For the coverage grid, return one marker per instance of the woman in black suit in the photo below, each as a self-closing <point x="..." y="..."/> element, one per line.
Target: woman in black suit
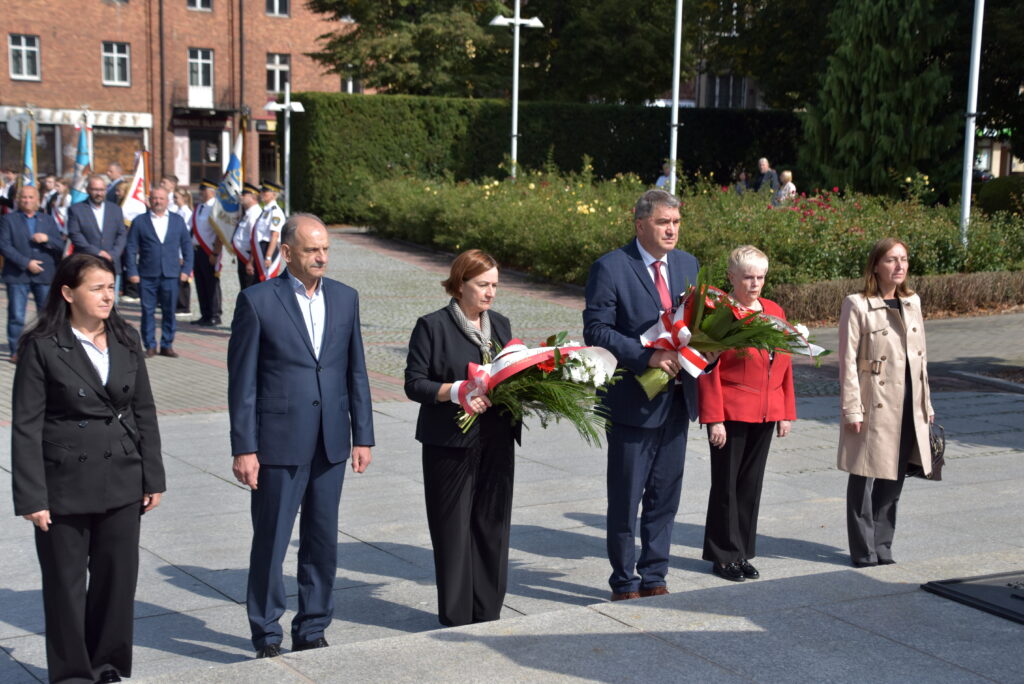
<point x="85" y="451"/>
<point x="467" y="477"/>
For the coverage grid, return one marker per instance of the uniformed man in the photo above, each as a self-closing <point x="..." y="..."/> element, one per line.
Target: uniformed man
<point x="241" y="240"/>
<point x="267" y="231"/>
<point x="206" y="244"/>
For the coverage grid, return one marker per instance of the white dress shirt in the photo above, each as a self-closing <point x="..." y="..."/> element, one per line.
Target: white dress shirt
<point x="313" y="311"/>
<point x="159" y="225"/>
<point x="100" y="357"/>
<point x="99" y="212"/>
<point x="649" y="259"/>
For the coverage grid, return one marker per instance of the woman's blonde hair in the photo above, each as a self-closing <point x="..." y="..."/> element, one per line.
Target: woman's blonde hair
<point x="881" y="248"/>
<point x="747" y="255"/>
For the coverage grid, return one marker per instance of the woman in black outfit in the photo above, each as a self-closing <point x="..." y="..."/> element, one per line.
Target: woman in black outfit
<point x="85" y="452"/>
<point x="467" y="477"/>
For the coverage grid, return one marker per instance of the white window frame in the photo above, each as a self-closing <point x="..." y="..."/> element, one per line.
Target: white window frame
<point x="198" y="57"/>
<point x="25" y="49"/>
<point x="274" y="8"/>
<point x="200" y="5"/>
<point x="111" y="49"/>
<point x="716" y="95"/>
<point x="278" y="68"/>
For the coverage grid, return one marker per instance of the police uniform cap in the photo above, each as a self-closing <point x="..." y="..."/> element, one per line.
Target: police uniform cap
<point x="250" y="188"/>
<point x="269" y="186"/>
<point x="207" y="183"/>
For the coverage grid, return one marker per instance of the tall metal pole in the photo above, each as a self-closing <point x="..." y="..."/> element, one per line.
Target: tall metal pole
<point x="674" y="133"/>
<point x="287" y="146"/>
<point x="972" y="115"/>
<point x="515" y="88"/>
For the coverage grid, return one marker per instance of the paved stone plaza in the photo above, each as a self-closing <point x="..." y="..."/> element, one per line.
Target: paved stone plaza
<point x="811" y="617"/>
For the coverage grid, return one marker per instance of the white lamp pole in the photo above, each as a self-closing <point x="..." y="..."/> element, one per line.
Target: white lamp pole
<point x="287" y="107"/>
<point x="972" y="115"/>
<point x="674" y="133"/>
<point x="515" y="22"/>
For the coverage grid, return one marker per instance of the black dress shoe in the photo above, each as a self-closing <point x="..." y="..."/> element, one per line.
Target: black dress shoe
<point x="748" y="570"/>
<point x="319" y="642"/>
<point x="886" y="561"/>
<point x="108" y="676"/>
<point x="728" y="571"/>
<point x="204" y="322"/>
<point x="215" y="320"/>
<point x="864" y="564"/>
<point x="269" y="651"/>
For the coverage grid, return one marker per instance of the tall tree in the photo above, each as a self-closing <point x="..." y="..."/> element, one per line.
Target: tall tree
<point x="884" y="107"/>
<point x="588" y="50"/>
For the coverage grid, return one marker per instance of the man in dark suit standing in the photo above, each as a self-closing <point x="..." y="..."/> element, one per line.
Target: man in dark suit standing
<point x="157" y="241"/>
<point x="31" y="244"/>
<point x="300" y="402"/>
<point x="97" y="226"/>
<point x="626" y="291"/>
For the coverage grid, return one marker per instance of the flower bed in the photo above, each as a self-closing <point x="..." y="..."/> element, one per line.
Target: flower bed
<point x="555" y="226"/>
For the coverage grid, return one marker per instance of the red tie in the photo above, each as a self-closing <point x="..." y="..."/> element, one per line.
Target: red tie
<point x="661" y="287"/>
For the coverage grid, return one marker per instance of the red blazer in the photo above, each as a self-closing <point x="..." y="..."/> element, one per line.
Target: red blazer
<point x="749" y="389"/>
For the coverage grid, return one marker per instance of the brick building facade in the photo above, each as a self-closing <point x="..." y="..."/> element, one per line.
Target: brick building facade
<point x="170" y="76"/>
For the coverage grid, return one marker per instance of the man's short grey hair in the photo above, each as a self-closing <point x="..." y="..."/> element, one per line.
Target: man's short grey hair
<point x="652" y="198"/>
<point x="292" y="224"/>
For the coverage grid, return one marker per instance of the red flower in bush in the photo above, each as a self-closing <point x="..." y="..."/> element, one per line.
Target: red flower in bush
<point x="835" y="188"/>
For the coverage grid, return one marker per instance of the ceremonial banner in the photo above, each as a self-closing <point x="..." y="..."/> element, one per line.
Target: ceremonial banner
<point x="82" y="167"/>
<point x="227" y="205"/>
<point x="136" y="200"/>
<point x="28" y="152"/>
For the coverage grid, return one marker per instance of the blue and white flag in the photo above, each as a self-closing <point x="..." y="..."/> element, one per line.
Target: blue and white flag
<point x="82" y="164"/>
<point x="28" y="143"/>
<point x="226" y="208"/>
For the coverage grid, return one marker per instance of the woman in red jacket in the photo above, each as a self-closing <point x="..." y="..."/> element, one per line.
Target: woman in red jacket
<point x="743" y="400"/>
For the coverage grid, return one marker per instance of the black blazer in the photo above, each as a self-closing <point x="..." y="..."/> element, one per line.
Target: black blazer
<point x="18" y="249"/>
<point x="88" y="237"/>
<point x="69" y="452"/>
<point x="438" y="353"/>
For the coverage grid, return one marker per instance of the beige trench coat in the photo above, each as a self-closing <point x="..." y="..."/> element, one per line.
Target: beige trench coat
<point x="875" y="344"/>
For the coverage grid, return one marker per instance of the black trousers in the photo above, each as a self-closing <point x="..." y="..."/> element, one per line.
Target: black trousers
<point x="244" y="279"/>
<point x="207" y="286"/>
<point x="871" y="503"/>
<point x="90" y="566"/>
<point x="737" y="472"/>
<point x="469" y="512"/>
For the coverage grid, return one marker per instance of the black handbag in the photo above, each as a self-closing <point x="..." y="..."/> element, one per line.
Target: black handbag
<point x="937" y="446"/>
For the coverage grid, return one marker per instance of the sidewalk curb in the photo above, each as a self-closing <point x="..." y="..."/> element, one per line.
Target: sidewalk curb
<point x="1005" y="385"/>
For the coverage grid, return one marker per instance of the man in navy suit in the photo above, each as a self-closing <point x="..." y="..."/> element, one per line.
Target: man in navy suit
<point x="31" y="243"/>
<point x="157" y="241"/>
<point x="97" y="226"/>
<point x="300" y="403"/>
<point x="626" y="291"/>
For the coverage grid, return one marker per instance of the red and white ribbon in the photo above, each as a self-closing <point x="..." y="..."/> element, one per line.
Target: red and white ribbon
<point x="670" y="332"/>
<point x="515" y="358"/>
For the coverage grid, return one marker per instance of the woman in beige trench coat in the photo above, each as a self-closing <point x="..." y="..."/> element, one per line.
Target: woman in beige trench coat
<point x="886" y="405"/>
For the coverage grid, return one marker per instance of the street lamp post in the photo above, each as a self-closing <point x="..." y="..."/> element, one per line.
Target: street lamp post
<point x="972" y="115"/>
<point x="515" y="22"/>
<point x="287" y="107"/>
<point x="674" y="131"/>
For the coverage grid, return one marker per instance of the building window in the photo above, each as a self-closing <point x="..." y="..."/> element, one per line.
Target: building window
<point x="277" y="8"/>
<point x="200" y="67"/>
<point x="24" y="56"/>
<point x="117" y="70"/>
<point x="203" y="5"/>
<point x="278" y="71"/>
<point x="730" y="91"/>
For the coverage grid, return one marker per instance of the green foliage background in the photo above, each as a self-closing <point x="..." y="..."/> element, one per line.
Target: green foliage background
<point x="556" y="225"/>
<point x="343" y="145"/>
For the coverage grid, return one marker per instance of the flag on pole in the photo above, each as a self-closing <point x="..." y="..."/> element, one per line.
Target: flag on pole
<point x="28" y="148"/>
<point x="135" y="201"/>
<point x="227" y="204"/>
<point x="82" y="167"/>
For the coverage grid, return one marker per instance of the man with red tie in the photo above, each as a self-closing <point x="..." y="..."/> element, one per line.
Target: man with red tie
<point x="626" y="292"/>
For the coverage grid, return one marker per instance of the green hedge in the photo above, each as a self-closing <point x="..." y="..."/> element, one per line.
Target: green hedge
<point x="1002" y="194"/>
<point x="555" y="226"/>
<point x="343" y="144"/>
